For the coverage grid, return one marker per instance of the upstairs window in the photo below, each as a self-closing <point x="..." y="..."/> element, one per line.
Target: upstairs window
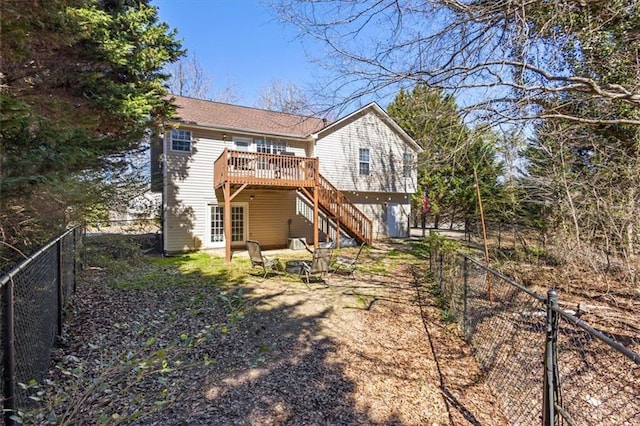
<point x="407" y="160"/>
<point x="181" y="140"/>
<point x="270" y="147"/>
<point x="364" y="161"/>
<point x="242" y="144"/>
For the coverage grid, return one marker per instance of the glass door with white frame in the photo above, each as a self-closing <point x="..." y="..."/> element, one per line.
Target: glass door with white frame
<point x="238" y="224"/>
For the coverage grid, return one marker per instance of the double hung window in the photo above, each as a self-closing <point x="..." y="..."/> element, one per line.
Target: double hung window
<point x="181" y="140"/>
<point x="270" y="147"/>
<point x="407" y="160"/>
<point x="364" y="157"/>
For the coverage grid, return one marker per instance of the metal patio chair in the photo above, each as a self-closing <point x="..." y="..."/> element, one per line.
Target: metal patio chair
<point x="319" y="264"/>
<point x="258" y="259"/>
<point x="346" y="263"/>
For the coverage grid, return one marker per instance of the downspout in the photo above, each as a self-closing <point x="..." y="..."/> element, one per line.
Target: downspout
<point x="314" y="140"/>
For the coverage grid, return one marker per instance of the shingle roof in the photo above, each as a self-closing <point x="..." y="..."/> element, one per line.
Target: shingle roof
<point x="232" y="117"/>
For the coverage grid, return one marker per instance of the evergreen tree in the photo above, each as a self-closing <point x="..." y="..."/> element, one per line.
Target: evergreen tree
<point x="451" y="152"/>
<point x="82" y="85"/>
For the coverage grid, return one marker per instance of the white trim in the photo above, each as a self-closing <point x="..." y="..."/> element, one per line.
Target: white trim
<point x="208" y="242"/>
<point x="245" y="225"/>
<point x="368" y="162"/>
<point x="243" y="139"/>
<point x="239" y="130"/>
<point x="245" y="222"/>
<point x="180" y="140"/>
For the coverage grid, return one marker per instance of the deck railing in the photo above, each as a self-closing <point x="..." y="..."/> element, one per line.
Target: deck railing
<point x="281" y="170"/>
<point x="239" y="167"/>
<point x="350" y="217"/>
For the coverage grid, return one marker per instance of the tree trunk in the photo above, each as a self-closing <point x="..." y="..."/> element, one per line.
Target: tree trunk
<point x="631" y="222"/>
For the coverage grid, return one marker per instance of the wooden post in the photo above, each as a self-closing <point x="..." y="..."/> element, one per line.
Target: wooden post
<point x="227" y="221"/>
<point x="484" y="234"/>
<point x="316" y="236"/>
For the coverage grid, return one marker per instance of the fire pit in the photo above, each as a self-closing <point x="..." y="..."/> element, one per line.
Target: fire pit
<point x="294" y="267"/>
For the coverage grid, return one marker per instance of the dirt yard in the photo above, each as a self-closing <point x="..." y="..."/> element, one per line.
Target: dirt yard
<point x="224" y="347"/>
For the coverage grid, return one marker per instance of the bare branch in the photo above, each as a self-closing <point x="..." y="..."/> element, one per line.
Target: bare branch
<point x="377" y="47"/>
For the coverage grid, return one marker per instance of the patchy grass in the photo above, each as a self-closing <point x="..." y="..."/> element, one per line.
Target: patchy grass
<point x="191" y="270"/>
<point x="193" y="340"/>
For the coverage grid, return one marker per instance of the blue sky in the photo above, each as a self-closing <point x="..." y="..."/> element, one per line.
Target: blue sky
<point x="239" y="43"/>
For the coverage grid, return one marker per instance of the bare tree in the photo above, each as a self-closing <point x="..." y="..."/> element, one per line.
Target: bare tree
<point x="229" y="94"/>
<point x="189" y="78"/>
<point x="284" y="97"/>
<point x="568" y="70"/>
<point x="508" y="58"/>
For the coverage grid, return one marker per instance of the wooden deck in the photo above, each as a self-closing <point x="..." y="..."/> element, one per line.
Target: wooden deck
<point x="274" y="170"/>
<point x="240" y="169"/>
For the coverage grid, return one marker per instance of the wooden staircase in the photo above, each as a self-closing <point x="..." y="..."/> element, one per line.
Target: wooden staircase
<point x="343" y="212"/>
<point x="242" y="169"/>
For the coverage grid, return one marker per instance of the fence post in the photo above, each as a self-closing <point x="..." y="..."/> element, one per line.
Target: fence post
<point x="432" y="253"/>
<point x="59" y="247"/>
<point x="9" y="354"/>
<point x="549" y="417"/>
<point x="465" y="274"/>
<point x="74" y="253"/>
<point x="441" y="273"/>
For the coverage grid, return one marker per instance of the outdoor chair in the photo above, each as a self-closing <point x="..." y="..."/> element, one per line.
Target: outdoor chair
<point x="258" y="259"/>
<point x="347" y="264"/>
<point x="319" y="264"/>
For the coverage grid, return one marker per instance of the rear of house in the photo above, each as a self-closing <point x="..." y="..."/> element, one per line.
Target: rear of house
<point x="281" y="176"/>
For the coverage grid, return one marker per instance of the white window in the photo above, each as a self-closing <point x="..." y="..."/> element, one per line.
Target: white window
<point x="264" y="146"/>
<point x="364" y="161"/>
<point x="407" y="160"/>
<point x="181" y="140"/>
<point x="270" y="147"/>
<point x="242" y="144"/>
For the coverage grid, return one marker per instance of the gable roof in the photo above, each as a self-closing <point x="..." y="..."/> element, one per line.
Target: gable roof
<point x="229" y="117"/>
<point x="373" y="106"/>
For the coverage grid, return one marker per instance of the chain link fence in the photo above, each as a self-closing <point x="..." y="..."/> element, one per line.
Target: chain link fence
<point x="33" y="298"/>
<point x="544" y="363"/>
<point x="598" y="373"/>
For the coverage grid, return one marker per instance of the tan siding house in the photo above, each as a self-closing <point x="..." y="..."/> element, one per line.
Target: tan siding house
<point x="231" y="173"/>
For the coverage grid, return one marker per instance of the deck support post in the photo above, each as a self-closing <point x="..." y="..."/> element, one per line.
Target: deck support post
<point x="227" y="221"/>
<point x="337" y="244"/>
<point x="228" y="198"/>
<point x="316" y="237"/>
<point x="239" y="170"/>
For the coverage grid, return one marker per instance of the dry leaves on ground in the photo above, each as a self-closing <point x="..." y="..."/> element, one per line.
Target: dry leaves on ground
<point x="369" y="350"/>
